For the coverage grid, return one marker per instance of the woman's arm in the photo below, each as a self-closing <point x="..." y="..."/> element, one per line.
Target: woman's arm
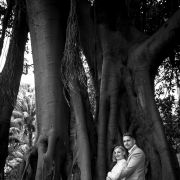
<point x="115" y="173"/>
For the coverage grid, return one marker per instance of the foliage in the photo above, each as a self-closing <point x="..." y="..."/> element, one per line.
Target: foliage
<point x="167" y="100"/>
<point x="22" y="130"/>
<point x="149" y="15"/>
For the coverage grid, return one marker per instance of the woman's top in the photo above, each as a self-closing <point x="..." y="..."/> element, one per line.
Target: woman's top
<point x="116" y="170"/>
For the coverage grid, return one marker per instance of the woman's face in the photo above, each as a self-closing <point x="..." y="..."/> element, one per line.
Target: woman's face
<point x="119" y="154"/>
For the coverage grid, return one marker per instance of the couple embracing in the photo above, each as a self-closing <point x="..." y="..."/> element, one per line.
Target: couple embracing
<point x="131" y="169"/>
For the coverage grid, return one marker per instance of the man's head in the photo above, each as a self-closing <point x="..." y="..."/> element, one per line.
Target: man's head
<point x="128" y="140"/>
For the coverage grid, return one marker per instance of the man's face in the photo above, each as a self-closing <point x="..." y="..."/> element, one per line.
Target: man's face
<point x="128" y="142"/>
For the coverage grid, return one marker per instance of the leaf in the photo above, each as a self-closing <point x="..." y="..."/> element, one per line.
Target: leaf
<point x="17" y="114"/>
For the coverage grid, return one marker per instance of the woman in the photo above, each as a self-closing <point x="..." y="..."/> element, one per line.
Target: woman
<point x="118" y="157"/>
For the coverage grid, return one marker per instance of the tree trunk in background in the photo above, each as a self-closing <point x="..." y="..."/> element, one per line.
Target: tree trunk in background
<point x="10" y="80"/>
<point x="124" y="59"/>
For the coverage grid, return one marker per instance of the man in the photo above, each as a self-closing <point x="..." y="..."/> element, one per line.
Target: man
<point x="135" y="169"/>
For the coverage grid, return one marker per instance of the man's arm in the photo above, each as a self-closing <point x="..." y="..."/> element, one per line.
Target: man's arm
<point x="132" y="165"/>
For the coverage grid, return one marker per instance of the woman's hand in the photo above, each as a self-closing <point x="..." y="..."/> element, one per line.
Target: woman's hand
<point x="108" y="178"/>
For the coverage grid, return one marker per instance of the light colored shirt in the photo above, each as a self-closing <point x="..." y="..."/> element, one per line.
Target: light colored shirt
<point x="130" y="151"/>
<point x="135" y="169"/>
<point x="116" y="170"/>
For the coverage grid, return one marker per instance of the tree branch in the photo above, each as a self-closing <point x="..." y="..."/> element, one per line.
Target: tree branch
<point x="160" y="44"/>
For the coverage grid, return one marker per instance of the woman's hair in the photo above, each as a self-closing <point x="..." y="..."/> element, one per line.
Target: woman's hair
<point x="117" y="147"/>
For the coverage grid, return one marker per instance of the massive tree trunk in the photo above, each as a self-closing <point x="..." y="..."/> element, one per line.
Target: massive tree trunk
<point x="10" y="79"/>
<point x="47" y="21"/>
<point x="124" y="61"/>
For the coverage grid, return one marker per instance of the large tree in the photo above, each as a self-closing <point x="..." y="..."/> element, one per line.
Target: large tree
<point x="74" y="142"/>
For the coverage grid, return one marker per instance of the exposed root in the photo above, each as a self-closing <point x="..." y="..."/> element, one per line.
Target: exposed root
<point x="30" y="166"/>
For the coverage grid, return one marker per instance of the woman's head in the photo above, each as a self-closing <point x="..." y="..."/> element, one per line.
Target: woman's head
<point x="119" y="152"/>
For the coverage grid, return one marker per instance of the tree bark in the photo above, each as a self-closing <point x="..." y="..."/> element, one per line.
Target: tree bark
<point x="83" y="144"/>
